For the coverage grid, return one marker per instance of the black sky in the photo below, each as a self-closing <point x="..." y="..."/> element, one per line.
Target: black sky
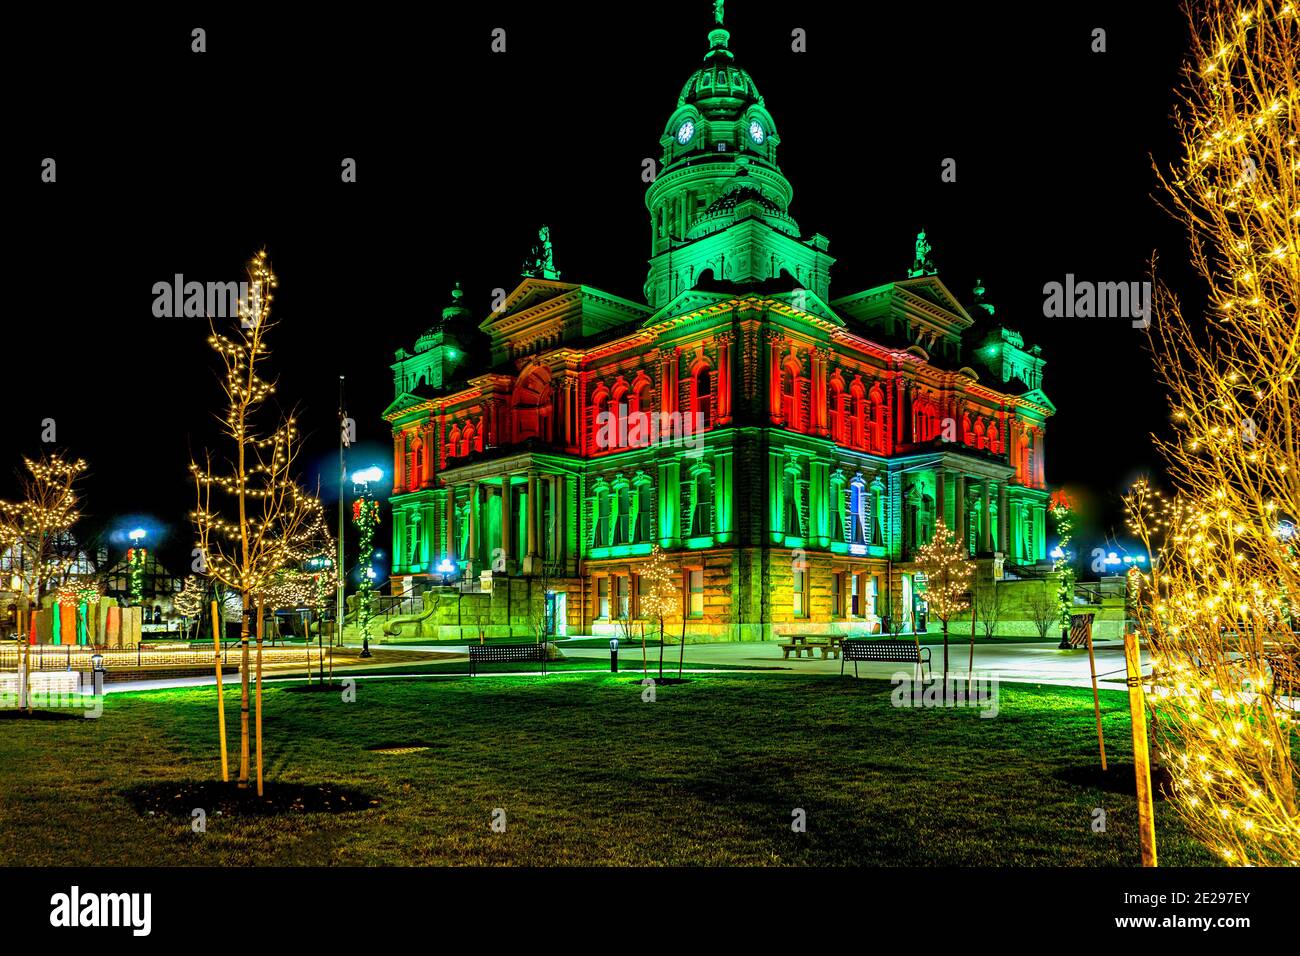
<point x="172" y="162"/>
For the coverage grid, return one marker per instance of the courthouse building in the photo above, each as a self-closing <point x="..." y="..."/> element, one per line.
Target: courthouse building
<point x="812" y="439"/>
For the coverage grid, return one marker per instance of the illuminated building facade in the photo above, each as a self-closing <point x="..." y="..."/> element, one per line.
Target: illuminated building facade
<point x="811" y="441"/>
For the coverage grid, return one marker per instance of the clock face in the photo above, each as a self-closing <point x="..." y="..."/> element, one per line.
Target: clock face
<point x="685" y="132"/>
<point x="756" y="132"/>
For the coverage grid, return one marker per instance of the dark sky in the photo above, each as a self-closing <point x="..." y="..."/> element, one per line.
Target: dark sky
<point x="172" y="162"/>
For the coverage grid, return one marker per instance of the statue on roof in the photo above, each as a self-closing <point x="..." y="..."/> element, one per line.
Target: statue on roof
<point x="541" y="259"/>
<point x="922" y="266"/>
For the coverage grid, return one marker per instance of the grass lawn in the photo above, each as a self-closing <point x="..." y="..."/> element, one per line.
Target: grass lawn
<point x="589" y="774"/>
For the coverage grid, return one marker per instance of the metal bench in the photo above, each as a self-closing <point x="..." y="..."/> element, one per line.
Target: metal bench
<point x="901" y="652"/>
<point x="499" y="653"/>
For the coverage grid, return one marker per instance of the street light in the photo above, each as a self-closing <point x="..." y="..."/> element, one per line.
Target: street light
<point x="613" y="655"/>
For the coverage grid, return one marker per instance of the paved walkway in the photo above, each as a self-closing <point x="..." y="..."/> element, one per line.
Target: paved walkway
<point x="1037" y="663"/>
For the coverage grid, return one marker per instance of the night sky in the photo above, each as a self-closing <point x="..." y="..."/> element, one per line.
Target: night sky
<point x="171" y="162"/>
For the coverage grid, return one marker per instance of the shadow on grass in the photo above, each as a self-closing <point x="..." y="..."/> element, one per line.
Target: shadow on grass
<point x="41" y="715"/>
<point x="1117" y="778"/>
<point x="180" y="798"/>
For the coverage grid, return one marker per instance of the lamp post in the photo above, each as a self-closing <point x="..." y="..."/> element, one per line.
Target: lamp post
<point x="366" y="517"/>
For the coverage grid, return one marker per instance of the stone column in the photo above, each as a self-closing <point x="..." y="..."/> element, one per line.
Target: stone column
<point x="399" y="461"/>
<point x="723" y="398"/>
<point x="986" y="528"/>
<point x="472" y="557"/>
<point x="940" y="511"/>
<point x="532" y="561"/>
<point x="1003" y="517"/>
<point x="959" y="509"/>
<point x="507" y="520"/>
<point x="449" y="526"/>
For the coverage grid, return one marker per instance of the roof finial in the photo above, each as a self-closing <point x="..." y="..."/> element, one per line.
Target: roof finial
<point x="717" y="11"/>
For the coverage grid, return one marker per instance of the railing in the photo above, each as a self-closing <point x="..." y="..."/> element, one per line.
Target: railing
<point x="49" y="657"/>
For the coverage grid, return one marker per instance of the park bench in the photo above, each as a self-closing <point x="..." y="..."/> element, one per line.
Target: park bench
<point x="498" y="653"/>
<point x="902" y="652"/>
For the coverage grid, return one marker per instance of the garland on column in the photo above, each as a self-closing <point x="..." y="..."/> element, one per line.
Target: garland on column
<point x="365" y="515"/>
<point x="135" y="558"/>
<point x="1062" y="509"/>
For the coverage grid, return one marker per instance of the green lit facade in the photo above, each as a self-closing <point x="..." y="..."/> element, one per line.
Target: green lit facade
<point x="814" y="442"/>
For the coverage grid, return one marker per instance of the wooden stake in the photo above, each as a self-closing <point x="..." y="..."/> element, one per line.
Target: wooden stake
<point x="1141" y="755"/>
<point x="261" y="610"/>
<point x="1096" y="701"/>
<point x="221" y="695"/>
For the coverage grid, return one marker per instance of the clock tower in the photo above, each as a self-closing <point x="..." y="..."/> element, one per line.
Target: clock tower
<point x="719" y="205"/>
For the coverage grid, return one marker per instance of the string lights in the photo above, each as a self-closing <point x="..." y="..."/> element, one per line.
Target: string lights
<point x="1218" y="604"/>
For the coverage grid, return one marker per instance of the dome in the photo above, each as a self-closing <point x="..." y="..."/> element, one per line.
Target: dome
<point x="719" y="89"/>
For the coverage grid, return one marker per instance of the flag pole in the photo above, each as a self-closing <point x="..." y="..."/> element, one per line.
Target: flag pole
<point x="339" y="568"/>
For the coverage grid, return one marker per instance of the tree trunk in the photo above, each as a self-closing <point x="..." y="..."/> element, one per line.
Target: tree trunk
<point x="970" y="666"/>
<point x="243" y="694"/>
<point x="661" y="649"/>
<point x="221" y="696"/>
<point x="644" y="664"/>
<point x="260" y="628"/>
<point x="945" y="662"/>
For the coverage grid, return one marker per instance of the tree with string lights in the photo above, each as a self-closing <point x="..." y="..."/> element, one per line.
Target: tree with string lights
<point x="1219" y="602"/>
<point x="661" y="600"/>
<point x="35" y="531"/>
<point x="265" y="524"/>
<point x="948" y="571"/>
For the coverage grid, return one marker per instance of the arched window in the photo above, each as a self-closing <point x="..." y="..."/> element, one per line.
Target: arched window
<point x="878" y="512"/>
<point x="858" y="512"/>
<point x="416" y="467"/>
<point x="618" y="406"/>
<point x="839" y="403"/>
<point x="602" y="429"/>
<point x="601" y="523"/>
<point x="642" y="504"/>
<point x="453" y="442"/>
<point x="876" y="437"/>
<point x="622" y="512"/>
<point x="531" y="405"/>
<point x="639" y="405"/>
<point x="791" y="390"/>
<point x="701" y="489"/>
<point x="859" y="414"/>
<point x="467" y="439"/>
<point x="839" y="525"/>
<point x="701" y="396"/>
<point x="981" y="437"/>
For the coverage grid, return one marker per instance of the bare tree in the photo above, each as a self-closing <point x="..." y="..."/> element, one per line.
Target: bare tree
<point x="1044" y="611"/>
<point x="988" y="608"/>
<point x="271" y="514"/>
<point x="35" y="531"/>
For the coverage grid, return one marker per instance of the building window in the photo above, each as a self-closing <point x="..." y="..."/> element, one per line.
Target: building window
<point x="602" y="598"/>
<point x="837" y="594"/>
<point x="853" y="584"/>
<point x="873" y="596"/>
<point x="642" y="592"/>
<point x="623" y="523"/>
<point x="801" y="594"/>
<point x="695" y="591"/>
<point x="624" y="606"/>
<point x="702" y="397"/>
<point x="701" y="489"/>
